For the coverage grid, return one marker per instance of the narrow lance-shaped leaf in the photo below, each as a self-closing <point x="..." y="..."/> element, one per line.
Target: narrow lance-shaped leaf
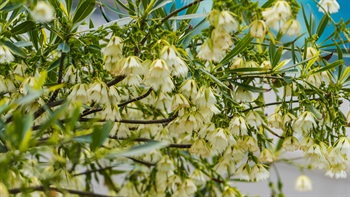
<point x="99" y="135"/>
<point x="240" y="46"/>
<point x="138" y="150"/>
<point x="23" y="27"/>
<point x="84" y="10"/>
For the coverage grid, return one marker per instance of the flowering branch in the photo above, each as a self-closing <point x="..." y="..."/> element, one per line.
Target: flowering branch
<point x="160" y="121"/>
<point x="43" y="188"/>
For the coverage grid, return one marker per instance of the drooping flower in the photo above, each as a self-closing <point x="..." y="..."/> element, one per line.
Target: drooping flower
<point x="275" y="120"/>
<point x="258" y="29"/>
<point x="305" y="122"/>
<point x="330" y="6"/>
<point x="290" y="143"/>
<point x="228" y="22"/>
<point x="277" y="15"/>
<point x="259" y="173"/>
<point x="218" y="140"/>
<point x="243" y="172"/>
<point x="179" y="101"/>
<point x="343" y="145"/>
<point x="254" y="119"/>
<point x="200" y="148"/>
<point x="72" y="75"/>
<point x="250" y="144"/>
<point x="238" y="126"/>
<point x="199" y="177"/>
<point x="79" y="93"/>
<point x="177" y="66"/>
<point x="43" y="12"/>
<point x="189" y="88"/>
<point x="98" y="92"/>
<point x="237" y="63"/>
<point x="5" y="55"/>
<point x="303" y="183"/>
<point x="158" y="76"/>
<point x="291" y="27"/>
<point x="311" y="52"/>
<point x="113" y="53"/>
<point x="221" y="39"/>
<point x="209" y="52"/>
<point x="243" y="96"/>
<point x="226" y="166"/>
<point x="266" y="156"/>
<point x="132" y="65"/>
<point x="205" y="97"/>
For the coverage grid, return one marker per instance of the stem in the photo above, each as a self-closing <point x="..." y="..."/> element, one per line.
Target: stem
<point x="147" y="140"/>
<point x="42" y="188"/>
<point x="160" y="121"/>
<point x="179" y="10"/>
<point x="55" y="93"/>
<point x="116" y="80"/>
<point x="275" y="103"/>
<point x="121" y="104"/>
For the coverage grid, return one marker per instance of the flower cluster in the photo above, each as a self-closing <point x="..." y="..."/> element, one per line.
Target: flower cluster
<point x="214" y="48"/>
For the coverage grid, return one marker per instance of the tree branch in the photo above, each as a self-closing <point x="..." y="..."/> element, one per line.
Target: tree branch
<point x="116" y="80"/>
<point x="140" y="139"/>
<point x="42" y="188"/>
<point x="160" y="121"/>
<point x="179" y="10"/>
<point x="121" y="104"/>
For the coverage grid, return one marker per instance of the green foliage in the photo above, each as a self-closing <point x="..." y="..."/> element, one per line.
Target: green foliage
<point x="148" y="105"/>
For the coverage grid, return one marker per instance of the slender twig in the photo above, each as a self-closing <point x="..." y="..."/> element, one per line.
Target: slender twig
<point x="55" y="93"/>
<point x="273" y="133"/>
<point x="137" y="98"/>
<point x="148" y="164"/>
<point x="140" y="139"/>
<point x="42" y="188"/>
<point x="119" y="105"/>
<point x="116" y="80"/>
<point x="168" y="17"/>
<point x="275" y="103"/>
<point x="160" y="121"/>
<point x="179" y="10"/>
<point x="93" y="171"/>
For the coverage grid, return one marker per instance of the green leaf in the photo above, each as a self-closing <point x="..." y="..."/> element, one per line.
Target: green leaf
<point x="249" y="70"/>
<point x="268" y="3"/>
<point x="189" y="16"/>
<point x="23" y="27"/>
<point x="15" y="49"/>
<point x="277" y="56"/>
<point x="69" y="4"/>
<point x="30" y="97"/>
<point x="308" y="26"/>
<point x="240" y="46"/>
<point x="53" y="117"/>
<point x="3" y="4"/>
<point x="22" y="128"/>
<point x="317" y="114"/>
<point x="138" y="150"/>
<point x="322" y="25"/>
<point x="99" y="135"/>
<point x="162" y="4"/>
<point x="83" y="139"/>
<point x="104" y="14"/>
<point x="84" y="10"/>
<point x="250" y="88"/>
<point x="214" y="78"/>
<point x="330" y="66"/>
